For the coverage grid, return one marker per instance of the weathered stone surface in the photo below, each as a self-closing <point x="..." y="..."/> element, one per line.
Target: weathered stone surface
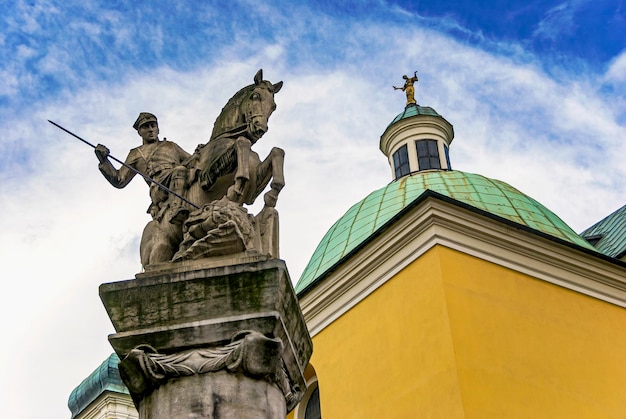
<point x="223" y="171"/>
<point x="216" y="395"/>
<point x="190" y="314"/>
<point x="223" y="228"/>
<point x="212" y="328"/>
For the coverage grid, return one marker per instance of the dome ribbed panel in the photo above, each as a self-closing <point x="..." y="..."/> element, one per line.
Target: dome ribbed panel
<point x="362" y="220"/>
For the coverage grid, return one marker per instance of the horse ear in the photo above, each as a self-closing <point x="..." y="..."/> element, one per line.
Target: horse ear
<point x="258" y="77"/>
<point x="277" y="87"/>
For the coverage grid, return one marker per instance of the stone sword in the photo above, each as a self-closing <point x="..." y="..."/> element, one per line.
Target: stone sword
<point x="146" y="177"/>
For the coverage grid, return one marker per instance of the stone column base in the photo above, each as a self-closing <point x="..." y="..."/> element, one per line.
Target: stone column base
<point x="225" y="339"/>
<point x="216" y="395"/>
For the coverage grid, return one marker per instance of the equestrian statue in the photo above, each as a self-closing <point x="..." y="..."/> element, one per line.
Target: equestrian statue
<point x="197" y="199"/>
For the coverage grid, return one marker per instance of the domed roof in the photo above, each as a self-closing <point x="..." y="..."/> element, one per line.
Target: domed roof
<point x="372" y="213"/>
<point x="105" y="378"/>
<point x="413" y="110"/>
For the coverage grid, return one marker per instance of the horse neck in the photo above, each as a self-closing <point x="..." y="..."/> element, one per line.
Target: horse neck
<point x="232" y="119"/>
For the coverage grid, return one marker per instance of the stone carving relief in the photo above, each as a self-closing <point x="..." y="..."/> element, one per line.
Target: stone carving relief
<point x="250" y="353"/>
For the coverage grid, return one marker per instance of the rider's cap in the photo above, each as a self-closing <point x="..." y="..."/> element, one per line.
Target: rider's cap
<point x="143" y="118"/>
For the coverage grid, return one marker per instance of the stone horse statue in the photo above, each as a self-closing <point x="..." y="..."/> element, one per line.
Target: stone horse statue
<point x="226" y="165"/>
<point x="226" y="169"/>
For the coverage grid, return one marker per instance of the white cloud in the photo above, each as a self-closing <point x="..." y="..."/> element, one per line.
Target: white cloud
<point x="25" y="52"/>
<point x="616" y="73"/>
<point x="559" y="20"/>
<point x="9" y="83"/>
<point x="66" y="230"/>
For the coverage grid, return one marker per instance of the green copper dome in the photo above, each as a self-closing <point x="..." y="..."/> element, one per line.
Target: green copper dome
<point x="372" y="213"/>
<point x="413" y="110"/>
<point x="105" y="378"/>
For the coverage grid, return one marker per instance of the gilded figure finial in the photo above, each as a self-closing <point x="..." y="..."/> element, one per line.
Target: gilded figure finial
<point x="408" y="88"/>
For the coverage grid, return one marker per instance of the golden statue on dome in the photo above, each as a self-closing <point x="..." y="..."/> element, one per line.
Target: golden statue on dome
<point x="408" y="88"/>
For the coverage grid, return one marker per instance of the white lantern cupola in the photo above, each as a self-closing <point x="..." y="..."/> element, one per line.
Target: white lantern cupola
<point x="418" y="139"/>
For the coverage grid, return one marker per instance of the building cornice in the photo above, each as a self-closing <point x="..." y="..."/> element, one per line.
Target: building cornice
<point x="110" y="405"/>
<point x="435" y="221"/>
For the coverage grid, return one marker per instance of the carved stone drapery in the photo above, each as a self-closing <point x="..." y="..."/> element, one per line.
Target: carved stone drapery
<point x="250" y="353"/>
<point x="214" y="342"/>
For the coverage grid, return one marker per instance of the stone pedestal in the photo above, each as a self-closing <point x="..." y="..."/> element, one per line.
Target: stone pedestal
<point x="210" y="341"/>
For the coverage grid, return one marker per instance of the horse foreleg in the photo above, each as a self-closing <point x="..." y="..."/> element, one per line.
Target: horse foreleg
<point x="278" y="161"/>
<point x="271" y="168"/>
<point x="242" y="174"/>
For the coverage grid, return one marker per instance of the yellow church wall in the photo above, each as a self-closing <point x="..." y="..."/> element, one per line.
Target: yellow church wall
<point x="391" y="355"/>
<point x="528" y="348"/>
<point x="454" y="336"/>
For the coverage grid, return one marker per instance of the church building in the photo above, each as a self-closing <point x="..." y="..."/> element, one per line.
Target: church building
<point x="449" y="294"/>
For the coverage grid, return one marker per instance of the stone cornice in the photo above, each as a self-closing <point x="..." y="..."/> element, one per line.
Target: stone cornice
<point x="110" y="405"/>
<point x="439" y="222"/>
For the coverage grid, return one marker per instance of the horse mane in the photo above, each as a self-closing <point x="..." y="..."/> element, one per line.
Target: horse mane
<point x="229" y="118"/>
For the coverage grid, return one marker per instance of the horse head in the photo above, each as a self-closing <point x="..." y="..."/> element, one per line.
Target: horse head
<point x="247" y="112"/>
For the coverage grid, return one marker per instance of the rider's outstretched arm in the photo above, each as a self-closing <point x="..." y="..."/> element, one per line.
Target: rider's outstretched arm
<point x="118" y="178"/>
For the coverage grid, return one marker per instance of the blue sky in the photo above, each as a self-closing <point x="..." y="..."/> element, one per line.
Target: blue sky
<point x="536" y="92"/>
<point x="49" y="47"/>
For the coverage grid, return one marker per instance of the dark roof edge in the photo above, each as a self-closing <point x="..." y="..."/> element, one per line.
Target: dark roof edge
<point x="428" y="194"/>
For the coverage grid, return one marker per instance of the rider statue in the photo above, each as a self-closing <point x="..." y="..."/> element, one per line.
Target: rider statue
<point x="216" y="181"/>
<point x="161" y="161"/>
<point x="408" y="88"/>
